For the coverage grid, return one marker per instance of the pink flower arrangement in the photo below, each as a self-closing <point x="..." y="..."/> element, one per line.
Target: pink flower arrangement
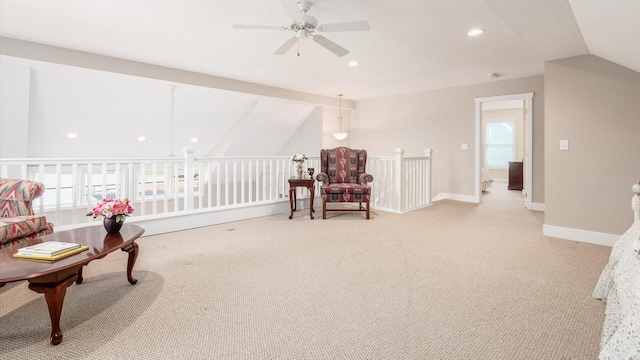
<point x="112" y="207"/>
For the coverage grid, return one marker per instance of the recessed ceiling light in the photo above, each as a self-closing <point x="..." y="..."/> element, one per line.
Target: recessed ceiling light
<point x="141" y="138"/>
<point x="72" y="135"/>
<point x="353" y="63"/>
<point x="194" y="139"/>
<point x="475" y="32"/>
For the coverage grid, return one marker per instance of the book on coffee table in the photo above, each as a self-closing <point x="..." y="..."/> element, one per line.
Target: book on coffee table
<point x="41" y="257"/>
<point x="48" y="248"/>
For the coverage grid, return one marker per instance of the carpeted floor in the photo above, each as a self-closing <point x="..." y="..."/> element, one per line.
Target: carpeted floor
<point x="451" y="281"/>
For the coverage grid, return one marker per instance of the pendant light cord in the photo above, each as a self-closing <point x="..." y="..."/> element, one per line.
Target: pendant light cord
<point x="340" y="117"/>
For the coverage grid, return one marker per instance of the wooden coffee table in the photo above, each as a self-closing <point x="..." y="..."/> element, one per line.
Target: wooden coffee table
<point x="52" y="279"/>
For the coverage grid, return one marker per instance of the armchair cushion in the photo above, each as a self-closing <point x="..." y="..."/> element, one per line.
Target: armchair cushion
<point x="345" y="193"/>
<point x="21" y="226"/>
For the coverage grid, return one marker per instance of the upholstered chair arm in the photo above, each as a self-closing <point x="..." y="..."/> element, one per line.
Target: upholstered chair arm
<point x="16" y="196"/>
<point x="322" y="177"/>
<point x="365" y="178"/>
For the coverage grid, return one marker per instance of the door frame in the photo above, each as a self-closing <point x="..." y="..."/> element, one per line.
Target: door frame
<point x="528" y="149"/>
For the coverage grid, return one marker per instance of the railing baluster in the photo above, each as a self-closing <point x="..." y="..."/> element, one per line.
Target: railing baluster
<point x="142" y="182"/>
<point x="250" y="180"/>
<point x="74" y="186"/>
<point x="209" y="180"/>
<point x="235" y="182"/>
<point x="154" y="188"/>
<point x="256" y="181"/>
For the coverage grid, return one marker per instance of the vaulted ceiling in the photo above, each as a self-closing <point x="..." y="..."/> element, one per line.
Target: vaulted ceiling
<point x="413" y="45"/>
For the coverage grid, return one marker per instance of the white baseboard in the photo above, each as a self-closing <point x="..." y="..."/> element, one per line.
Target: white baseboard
<point x="590" y="237"/>
<point x="456" y="197"/>
<point x="537" y="207"/>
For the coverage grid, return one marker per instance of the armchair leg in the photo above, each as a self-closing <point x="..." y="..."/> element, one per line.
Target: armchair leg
<point x="367" y="211"/>
<point x="324" y="210"/>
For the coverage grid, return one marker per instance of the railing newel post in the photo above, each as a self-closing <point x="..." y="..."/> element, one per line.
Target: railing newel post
<point x="427" y="154"/>
<point x="399" y="178"/>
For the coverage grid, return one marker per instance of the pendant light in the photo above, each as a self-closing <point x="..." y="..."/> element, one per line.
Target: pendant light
<point x="340" y="135"/>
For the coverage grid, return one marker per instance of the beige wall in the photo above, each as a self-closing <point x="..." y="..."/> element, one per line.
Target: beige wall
<point x="443" y="120"/>
<point x="595" y="104"/>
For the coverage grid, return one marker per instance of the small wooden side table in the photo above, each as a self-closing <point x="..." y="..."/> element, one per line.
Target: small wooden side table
<point x="297" y="182"/>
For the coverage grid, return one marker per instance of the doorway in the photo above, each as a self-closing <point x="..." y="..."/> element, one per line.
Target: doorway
<point x="504" y="120"/>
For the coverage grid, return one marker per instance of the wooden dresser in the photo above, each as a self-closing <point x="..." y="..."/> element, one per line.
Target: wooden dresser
<point x="515" y="175"/>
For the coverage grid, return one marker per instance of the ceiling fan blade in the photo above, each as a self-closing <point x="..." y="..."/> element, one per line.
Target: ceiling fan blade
<point x="345" y="26"/>
<point x="330" y="45"/>
<point x="286" y="46"/>
<point x="291" y="7"/>
<point x="259" y="27"/>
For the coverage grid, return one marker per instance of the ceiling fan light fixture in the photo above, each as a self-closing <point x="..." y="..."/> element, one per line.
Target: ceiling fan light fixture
<point x="475" y="32"/>
<point x="340" y="135"/>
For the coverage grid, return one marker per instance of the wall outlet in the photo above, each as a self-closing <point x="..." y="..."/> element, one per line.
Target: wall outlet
<point x="465" y="146"/>
<point x="564" y="145"/>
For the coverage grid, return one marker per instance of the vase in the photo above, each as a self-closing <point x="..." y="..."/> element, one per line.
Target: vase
<point x="299" y="170"/>
<point x="111" y="225"/>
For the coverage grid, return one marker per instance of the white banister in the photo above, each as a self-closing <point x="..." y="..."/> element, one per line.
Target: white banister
<point x="166" y="186"/>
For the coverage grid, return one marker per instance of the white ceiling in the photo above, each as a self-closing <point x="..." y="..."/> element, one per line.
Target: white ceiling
<point x="413" y="45"/>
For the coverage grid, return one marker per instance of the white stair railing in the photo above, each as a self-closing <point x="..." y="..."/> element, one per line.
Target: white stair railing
<point x="166" y="186"/>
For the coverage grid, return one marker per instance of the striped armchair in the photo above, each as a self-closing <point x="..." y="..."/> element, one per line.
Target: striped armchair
<point x="344" y="178"/>
<point x="17" y="219"/>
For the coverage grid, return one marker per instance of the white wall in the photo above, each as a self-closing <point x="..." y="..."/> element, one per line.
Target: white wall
<point x="109" y="111"/>
<point x="308" y="137"/>
<point x="14" y="109"/>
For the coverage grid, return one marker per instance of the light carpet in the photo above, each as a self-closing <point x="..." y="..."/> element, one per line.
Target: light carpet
<point x="450" y="281"/>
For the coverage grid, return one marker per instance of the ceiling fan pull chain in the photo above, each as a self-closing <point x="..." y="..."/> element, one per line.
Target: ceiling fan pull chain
<point x="298" y="47"/>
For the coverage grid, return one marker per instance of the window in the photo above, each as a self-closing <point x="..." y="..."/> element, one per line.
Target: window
<point x="499" y="144"/>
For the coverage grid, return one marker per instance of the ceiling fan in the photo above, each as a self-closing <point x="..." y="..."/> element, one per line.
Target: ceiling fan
<point x="305" y="26"/>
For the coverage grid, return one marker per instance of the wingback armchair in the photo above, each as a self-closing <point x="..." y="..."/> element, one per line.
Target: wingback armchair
<point x="17" y="219"/>
<point x="344" y="178"/>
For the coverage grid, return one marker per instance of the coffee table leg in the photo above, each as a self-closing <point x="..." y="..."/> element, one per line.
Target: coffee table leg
<point x="133" y="255"/>
<point x="80" y="278"/>
<point x="54" y="295"/>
